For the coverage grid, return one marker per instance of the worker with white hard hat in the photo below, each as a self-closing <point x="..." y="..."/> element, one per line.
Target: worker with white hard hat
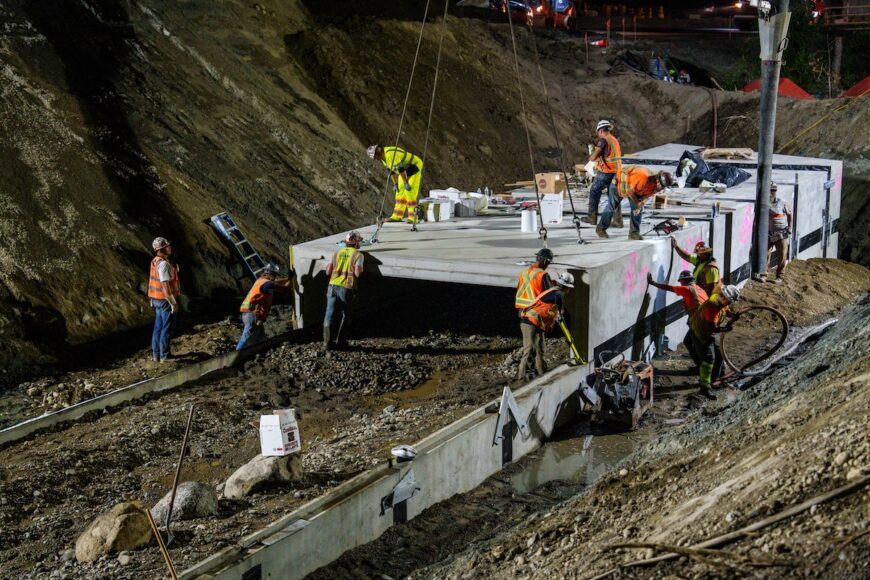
<point x="778" y="232"/>
<point x="344" y="270"/>
<point x="406" y="173"/>
<point x="705" y="322"/>
<point x="606" y="156"/>
<point x="164" y="290"/>
<point x="257" y="304"/>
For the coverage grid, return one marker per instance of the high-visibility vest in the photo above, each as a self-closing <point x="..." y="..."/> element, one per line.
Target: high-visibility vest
<point x="256" y="301"/>
<point x="155" y="287"/>
<point x="530" y="284"/>
<point x="706" y="317"/>
<point x="611" y="162"/>
<point x="398" y="160"/>
<point x="700" y="274"/>
<point x="696" y="300"/>
<point x="635" y="181"/>
<point x="343" y="262"/>
<point x="542" y="314"/>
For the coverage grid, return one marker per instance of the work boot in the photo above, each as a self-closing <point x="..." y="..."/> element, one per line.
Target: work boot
<point x="634" y="236"/>
<point x="617" y="219"/>
<point x="591" y="219"/>
<point x="707" y="392"/>
<point x="602" y="233"/>
<point x="327" y="338"/>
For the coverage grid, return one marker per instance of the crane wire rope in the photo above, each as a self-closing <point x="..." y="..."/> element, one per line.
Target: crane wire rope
<point x="542" y="232"/>
<point x="575" y="218"/>
<point x="380" y="216"/>
<point x="435" y="80"/>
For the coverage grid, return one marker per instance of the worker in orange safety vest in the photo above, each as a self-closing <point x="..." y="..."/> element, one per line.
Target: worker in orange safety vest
<point x="164" y="289"/>
<point x="255" y="308"/>
<point x="539" y="318"/>
<point x="606" y="155"/>
<point x="638" y="185"/>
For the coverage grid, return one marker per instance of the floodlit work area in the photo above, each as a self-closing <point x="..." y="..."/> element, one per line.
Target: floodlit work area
<point x="433" y="290"/>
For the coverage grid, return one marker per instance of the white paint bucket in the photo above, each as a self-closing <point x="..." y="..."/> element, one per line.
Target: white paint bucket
<point x="529" y="221"/>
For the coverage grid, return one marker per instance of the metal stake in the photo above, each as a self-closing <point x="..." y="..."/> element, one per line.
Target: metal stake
<point x="177" y="474"/>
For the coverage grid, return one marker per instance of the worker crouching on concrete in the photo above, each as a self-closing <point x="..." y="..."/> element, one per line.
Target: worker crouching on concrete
<point x="344" y="269"/>
<point x="164" y="289"/>
<point x="638" y="185"/>
<point x="406" y="173"/>
<point x="778" y="232"/>
<point x="538" y="319"/>
<point x="606" y="156"/>
<point x="258" y="302"/>
<point x="532" y="282"/>
<point x="706" y="272"/>
<point x="704" y="325"/>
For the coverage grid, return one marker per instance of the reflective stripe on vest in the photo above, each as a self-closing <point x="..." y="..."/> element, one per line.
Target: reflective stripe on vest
<point x="701" y="271"/>
<point x="542" y="314"/>
<point x="256" y="301"/>
<point x="625" y="187"/>
<point x="342" y="267"/>
<point x="608" y="164"/>
<point x="155" y="287"/>
<point x="529" y="286"/>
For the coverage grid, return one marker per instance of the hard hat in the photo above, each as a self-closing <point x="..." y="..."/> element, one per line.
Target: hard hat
<point x="686" y="276"/>
<point x="604" y="124"/>
<point x="353" y="237"/>
<point x="565" y="279"/>
<point x="731" y="292"/>
<point x="544" y="255"/>
<point x="773" y="187"/>
<point x="404" y="452"/>
<point x="270" y="268"/>
<point x="160" y="243"/>
<point x="665" y="179"/>
<point x="702" y="248"/>
<point x="371" y="151"/>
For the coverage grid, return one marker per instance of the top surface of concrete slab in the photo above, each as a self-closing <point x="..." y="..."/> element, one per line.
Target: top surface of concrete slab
<point x="673" y="151"/>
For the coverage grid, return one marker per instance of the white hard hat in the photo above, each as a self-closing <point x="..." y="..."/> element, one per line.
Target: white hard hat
<point x="159" y="243"/>
<point x="371" y="151"/>
<point x="731" y="292"/>
<point x="604" y="124"/>
<point x="565" y="279"/>
<point x="352" y="237"/>
<point x="270" y="268"/>
<point x="404" y="452"/>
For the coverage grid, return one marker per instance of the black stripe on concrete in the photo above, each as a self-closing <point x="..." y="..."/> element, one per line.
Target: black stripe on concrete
<point x="810" y="240"/>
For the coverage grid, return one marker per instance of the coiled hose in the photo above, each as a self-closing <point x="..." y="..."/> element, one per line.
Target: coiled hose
<point x="741" y="371"/>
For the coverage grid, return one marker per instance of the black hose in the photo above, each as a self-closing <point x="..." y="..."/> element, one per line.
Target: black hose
<point x="769" y="353"/>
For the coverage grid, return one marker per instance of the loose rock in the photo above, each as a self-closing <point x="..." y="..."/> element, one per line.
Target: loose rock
<point x="260" y="472"/>
<point x="192" y="500"/>
<point x="124" y="527"/>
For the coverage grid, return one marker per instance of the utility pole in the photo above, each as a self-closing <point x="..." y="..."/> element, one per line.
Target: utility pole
<point x="772" y="34"/>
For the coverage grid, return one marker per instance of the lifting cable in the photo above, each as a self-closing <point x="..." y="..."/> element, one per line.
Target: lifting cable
<point x="435" y="80"/>
<point x="575" y="219"/>
<point x="380" y="216"/>
<point x="542" y="232"/>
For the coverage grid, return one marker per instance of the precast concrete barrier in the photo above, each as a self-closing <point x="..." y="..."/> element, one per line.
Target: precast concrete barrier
<point x="454" y="460"/>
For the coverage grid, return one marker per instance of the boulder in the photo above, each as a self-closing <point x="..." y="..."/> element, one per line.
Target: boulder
<point x="124" y="527"/>
<point x="192" y="500"/>
<point x="261" y="472"/>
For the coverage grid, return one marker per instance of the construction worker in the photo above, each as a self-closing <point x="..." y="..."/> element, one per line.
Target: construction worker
<point x="704" y="325"/>
<point x="344" y="269"/>
<point x="406" y="172"/>
<point x="533" y="280"/>
<point x="778" y="232"/>
<point x="706" y="270"/>
<point x="537" y="319"/>
<point x="638" y="185"/>
<point x="164" y="289"/>
<point x="692" y="295"/>
<point x="255" y="308"/>
<point x="606" y="156"/>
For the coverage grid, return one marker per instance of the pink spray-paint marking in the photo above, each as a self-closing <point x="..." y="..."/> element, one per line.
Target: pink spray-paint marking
<point x="747" y="225"/>
<point x="634" y="278"/>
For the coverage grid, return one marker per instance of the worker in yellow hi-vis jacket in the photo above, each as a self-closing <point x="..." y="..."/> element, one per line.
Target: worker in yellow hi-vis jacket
<point x="406" y="173"/>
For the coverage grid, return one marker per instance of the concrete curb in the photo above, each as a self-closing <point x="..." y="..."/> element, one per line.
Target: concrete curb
<point x="453" y="460"/>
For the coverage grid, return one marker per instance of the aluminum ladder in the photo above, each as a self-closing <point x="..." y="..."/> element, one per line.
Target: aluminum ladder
<point x="251" y="260"/>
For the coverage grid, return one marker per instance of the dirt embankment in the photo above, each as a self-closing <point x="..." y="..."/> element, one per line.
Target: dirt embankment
<point x="124" y="120"/>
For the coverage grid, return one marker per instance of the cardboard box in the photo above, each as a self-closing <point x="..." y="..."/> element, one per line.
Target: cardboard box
<point x="550" y="182"/>
<point x="551" y="209"/>
<point x="438" y="210"/>
<point x="279" y="433"/>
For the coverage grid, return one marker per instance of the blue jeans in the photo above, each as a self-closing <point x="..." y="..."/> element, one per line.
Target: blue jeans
<point x="614" y="200"/>
<point x="252" y="333"/>
<point x="601" y="182"/>
<point x="338" y="299"/>
<point x="164" y="324"/>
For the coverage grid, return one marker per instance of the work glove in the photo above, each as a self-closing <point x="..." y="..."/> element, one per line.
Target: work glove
<point x="395" y="188"/>
<point x="673" y="242"/>
<point x="407" y="186"/>
<point x="173" y="308"/>
<point x="649" y="277"/>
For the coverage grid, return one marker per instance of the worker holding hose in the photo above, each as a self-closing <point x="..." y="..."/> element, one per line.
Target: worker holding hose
<point x="538" y="319"/>
<point x="704" y="325"/>
<point x="406" y="173"/>
<point x="706" y="270"/>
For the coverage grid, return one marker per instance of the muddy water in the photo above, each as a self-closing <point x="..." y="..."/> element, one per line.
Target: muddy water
<point x="577" y="461"/>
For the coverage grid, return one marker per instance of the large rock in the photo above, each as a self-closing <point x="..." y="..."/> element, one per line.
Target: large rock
<point x="124" y="527"/>
<point x="261" y="472"/>
<point x="192" y="500"/>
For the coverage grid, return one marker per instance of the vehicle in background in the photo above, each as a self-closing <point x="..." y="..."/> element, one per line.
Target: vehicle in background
<point x="540" y="13"/>
<point x="562" y="14"/>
